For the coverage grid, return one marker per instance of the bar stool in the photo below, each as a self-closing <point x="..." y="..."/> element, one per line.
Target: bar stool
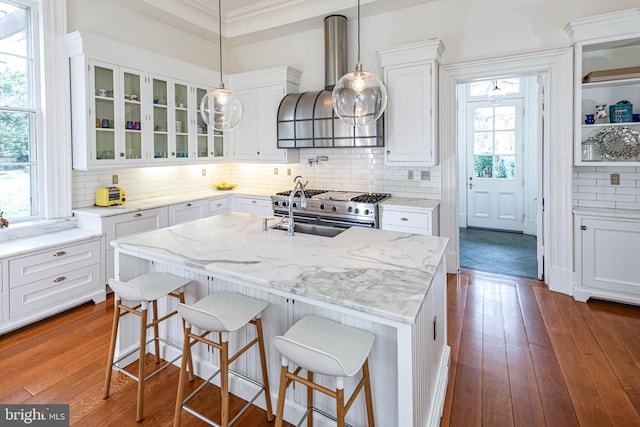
<point x="325" y="347"/>
<point x="222" y="312"/>
<point x="142" y="290"/>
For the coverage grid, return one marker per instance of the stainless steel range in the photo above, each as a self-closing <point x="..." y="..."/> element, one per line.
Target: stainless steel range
<point x="332" y="208"/>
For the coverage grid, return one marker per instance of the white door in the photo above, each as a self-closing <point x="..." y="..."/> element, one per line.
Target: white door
<point x="495" y="182"/>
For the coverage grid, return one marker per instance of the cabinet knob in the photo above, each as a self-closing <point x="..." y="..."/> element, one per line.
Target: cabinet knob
<point x="61" y="253"/>
<point x="388" y="151"/>
<point x="121" y="154"/>
<point x="258" y="153"/>
<point x="583" y="227"/>
<point x="59" y="279"/>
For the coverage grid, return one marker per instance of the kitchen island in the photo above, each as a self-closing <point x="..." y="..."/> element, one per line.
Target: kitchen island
<point x="390" y="283"/>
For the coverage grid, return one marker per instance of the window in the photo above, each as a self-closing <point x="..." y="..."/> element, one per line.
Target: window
<point x="20" y="169"/>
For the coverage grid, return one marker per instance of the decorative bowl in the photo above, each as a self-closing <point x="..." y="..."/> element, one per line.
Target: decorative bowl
<point x="225" y="186"/>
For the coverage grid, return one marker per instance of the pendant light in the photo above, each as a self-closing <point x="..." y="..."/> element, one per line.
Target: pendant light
<point x="220" y="108"/>
<point x="359" y="97"/>
<point x="496" y="95"/>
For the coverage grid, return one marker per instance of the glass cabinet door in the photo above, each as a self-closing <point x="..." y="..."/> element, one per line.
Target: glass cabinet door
<point x="210" y="143"/>
<point x="104" y="107"/>
<point x="132" y="85"/>
<point x="160" y="119"/>
<point x="181" y="99"/>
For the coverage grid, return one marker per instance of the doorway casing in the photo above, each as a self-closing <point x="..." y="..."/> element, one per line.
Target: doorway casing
<point x="557" y="148"/>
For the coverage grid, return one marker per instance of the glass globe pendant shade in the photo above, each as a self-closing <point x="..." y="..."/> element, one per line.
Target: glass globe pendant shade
<point x="221" y="109"/>
<point x="359" y="97"/>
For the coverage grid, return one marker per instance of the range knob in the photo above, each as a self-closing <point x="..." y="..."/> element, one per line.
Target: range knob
<point x="284" y="204"/>
<point x="321" y="205"/>
<point x="366" y="211"/>
<point x="357" y="211"/>
<point x="295" y="205"/>
<point x="275" y="203"/>
<point x="334" y="209"/>
<point x="349" y="209"/>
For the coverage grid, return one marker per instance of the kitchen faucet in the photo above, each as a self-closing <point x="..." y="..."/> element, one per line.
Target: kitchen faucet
<point x="298" y="188"/>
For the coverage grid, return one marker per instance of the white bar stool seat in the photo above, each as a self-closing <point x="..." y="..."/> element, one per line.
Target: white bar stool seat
<point x="325" y="347"/>
<point x="222" y="312"/>
<point x="142" y="291"/>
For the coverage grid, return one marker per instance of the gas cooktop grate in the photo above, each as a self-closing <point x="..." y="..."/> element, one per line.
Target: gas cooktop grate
<point x="307" y="193"/>
<point x="371" y="197"/>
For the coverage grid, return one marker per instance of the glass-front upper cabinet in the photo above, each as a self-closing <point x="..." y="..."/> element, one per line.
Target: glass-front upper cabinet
<point x="103" y="82"/>
<point x="133" y="92"/>
<point x="181" y="102"/>
<point x="160" y="119"/>
<point x="210" y="143"/>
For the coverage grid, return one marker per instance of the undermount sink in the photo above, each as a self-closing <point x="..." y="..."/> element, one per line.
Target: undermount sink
<point x="316" y="230"/>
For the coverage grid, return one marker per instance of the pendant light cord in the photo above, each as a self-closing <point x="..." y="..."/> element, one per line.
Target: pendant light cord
<point x="220" y="34"/>
<point x="358" y="30"/>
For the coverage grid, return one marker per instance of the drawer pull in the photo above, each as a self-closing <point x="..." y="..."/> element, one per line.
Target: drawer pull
<point x="61" y="253"/>
<point x="188" y="205"/>
<point x="138" y="215"/>
<point x="253" y="201"/>
<point x="219" y="205"/>
<point x="404" y="219"/>
<point x="59" y="279"/>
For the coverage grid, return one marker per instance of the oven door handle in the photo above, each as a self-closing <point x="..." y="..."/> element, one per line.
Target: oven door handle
<point x="344" y="224"/>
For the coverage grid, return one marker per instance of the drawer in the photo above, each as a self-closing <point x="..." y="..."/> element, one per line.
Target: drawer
<point x="53" y="290"/>
<point x="253" y="205"/>
<point x="218" y="206"/>
<point x="53" y="263"/>
<point x="133" y="223"/>
<point x="185" y="212"/>
<point x="406" y="219"/>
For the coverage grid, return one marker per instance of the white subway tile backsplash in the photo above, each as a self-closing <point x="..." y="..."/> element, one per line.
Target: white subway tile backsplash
<point x="357" y="169"/>
<point x="592" y="187"/>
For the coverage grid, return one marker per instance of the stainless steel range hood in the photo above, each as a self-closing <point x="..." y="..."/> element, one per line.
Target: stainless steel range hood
<point x="307" y="120"/>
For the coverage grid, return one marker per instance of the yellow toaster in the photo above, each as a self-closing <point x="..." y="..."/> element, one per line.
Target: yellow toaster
<point x="107" y="196"/>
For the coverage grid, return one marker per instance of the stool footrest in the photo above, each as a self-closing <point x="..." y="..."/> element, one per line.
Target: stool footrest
<point x="318" y="411"/>
<point x="244" y="408"/>
<point x="129" y="353"/>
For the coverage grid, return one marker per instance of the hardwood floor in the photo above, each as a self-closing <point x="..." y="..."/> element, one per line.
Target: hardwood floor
<point x="525" y="356"/>
<point x="521" y="356"/>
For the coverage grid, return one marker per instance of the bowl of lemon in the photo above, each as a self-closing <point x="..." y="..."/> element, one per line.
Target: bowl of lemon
<point x="225" y="186"/>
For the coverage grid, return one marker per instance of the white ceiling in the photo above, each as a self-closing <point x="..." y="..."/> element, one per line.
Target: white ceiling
<point x="246" y="21"/>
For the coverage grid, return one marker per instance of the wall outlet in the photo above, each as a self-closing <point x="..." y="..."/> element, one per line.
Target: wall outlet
<point x="289" y="172"/>
<point x="615" y="179"/>
<point x="204" y="172"/>
<point x="425" y="175"/>
<point x="409" y="174"/>
<point x="114" y="179"/>
<point x="275" y="171"/>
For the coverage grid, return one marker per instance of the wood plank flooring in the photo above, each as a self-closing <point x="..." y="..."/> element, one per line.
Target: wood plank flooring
<point x="525" y="356"/>
<point x="521" y="356"/>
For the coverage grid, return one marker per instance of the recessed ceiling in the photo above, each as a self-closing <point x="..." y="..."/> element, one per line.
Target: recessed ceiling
<point x="246" y="21"/>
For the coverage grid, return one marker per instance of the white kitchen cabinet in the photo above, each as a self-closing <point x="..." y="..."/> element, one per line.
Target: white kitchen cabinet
<point x="605" y="42"/>
<point x="149" y="118"/>
<point x="187" y="211"/>
<point x="117" y="226"/>
<point x="411" y="77"/>
<point x="109" y="129"/>
<point x="411" y="219"/>
<point x="47" y="281"/>
<point x="252" y="204"/>
<point x="218" y="205"/>
<point x="256" y="138"/>
<point x="607" y="245"/>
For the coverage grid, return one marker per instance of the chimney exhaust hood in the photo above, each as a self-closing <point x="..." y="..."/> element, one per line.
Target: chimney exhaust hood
<point x="307" y="119"/>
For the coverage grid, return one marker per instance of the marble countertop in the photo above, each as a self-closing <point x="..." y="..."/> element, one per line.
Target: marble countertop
<point x="407" y="202"/>
<point x="51" y="239"/>
<point x="607" y="212"/>
<point x="157" y="202"/>
<point x="383" y="273"/>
